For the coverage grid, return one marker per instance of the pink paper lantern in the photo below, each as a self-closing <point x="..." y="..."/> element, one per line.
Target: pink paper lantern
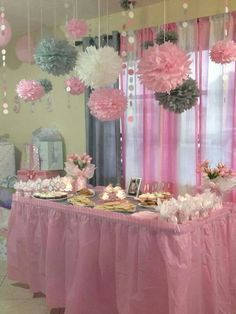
<point x="74" y="86"/>
<point x="76" y="29"/>
<point x="5" y="35"/>
<point x="30" y="90"/>
<point x="23" y="53"/>
<point x="164" y="67"/>
<point x="107" y="104"/>
<point x="223" y="52"/>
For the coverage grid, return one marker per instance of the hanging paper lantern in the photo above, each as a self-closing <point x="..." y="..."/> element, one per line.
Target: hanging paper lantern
<point x="166" y="36"/>
<point x="29" y="90"/>
<point x="126" y="4"/>
<point x="74" y="86"/>
<point x="5" y="33"/>
<point x="182" y="98"/>
<point x="107" y="104"/>
<point x="25" y="49"/>
<point x="164" y="67"/>
<point x="76" y="29"/>
<point x="223" y="52"/>
<point x="47" y="85"/>
<point x="99" y="67"/>
<point x="56" y="57"/>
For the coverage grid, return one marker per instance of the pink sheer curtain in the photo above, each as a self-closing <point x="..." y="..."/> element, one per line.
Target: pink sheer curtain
<point x="165" y="147"/>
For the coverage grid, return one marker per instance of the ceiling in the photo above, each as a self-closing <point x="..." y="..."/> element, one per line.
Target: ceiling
<point x="16" y="11"/>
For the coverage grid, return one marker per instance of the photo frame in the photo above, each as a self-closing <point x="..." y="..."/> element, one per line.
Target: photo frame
<point x="134" y="187"/>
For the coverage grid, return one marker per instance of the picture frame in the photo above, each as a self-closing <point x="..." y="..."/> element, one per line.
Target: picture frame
<point x="134" y="186"/>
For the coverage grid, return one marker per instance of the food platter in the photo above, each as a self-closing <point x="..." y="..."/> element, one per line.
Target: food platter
<point x="51" y="196"/>
<point x="117" y="206"/>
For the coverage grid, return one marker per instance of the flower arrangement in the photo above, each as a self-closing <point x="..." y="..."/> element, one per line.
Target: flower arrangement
<point x="219" y="171"/>
<point x="80" y="168"/>
<point x="77" y="165"/>
<point x="221" y="177"/>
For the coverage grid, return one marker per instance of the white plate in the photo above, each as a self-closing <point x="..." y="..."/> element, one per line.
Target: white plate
<point x="51" y="199"/>
<point x="147" y="206"/>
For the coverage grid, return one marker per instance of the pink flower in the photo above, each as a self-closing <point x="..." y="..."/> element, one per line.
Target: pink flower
<point x="73" y="157"/>
<point x="76" y="29"/>
<point x="223" y="52"/>
<point x="164" y="67"/>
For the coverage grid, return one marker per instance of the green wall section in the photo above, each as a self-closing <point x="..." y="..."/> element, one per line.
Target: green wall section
<point x="71" y="122"/>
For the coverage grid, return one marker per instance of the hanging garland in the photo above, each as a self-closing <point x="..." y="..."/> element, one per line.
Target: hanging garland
<point x="126" y="4"/>
<point x="182" y="98"/>
<point x="47" y="85"/>
<point x="56" y="57"/>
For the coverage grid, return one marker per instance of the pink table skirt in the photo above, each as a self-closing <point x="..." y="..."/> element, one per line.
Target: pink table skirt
<point x="95" y="262"/>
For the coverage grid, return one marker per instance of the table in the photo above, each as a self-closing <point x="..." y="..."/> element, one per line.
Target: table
<point x="94" y="262"/>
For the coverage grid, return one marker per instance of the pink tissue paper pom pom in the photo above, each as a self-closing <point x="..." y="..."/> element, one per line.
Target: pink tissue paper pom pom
<point x="223" y="52"/>
<point x="30" y="90"/>
<point x="107" y="104"/>
<point x="74" y="86"/>
<point x="76" y="28"/>
<point x="164" y="67"/>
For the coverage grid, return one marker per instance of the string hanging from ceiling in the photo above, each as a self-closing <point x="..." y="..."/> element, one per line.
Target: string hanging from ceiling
<point x="5" y="37"/>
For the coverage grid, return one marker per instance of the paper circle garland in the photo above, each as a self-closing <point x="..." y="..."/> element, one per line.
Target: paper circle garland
<point x="6" y="34"/>
<point x="56" y="57"/>
<point x="223" y="52"/>
<point x="47" y="85"/>
<point x="29" y="90"/>
<point x="74" y="86"/>
<point x="99" y="67"/>
<point x="182" y="98"/>
<point x="107" y="104"/>
<point x="163" y="67"/>
<point x="166" y="36"/>
<point x="76" y="29"/>
<point x="125" y="4"/>
<point x="23" y="53"/>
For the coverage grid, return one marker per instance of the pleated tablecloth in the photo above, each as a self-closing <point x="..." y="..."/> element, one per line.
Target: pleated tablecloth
<point x="97" y="262"/>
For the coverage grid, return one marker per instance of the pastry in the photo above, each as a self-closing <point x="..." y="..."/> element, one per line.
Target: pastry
<point x="80" y="200"/>
<point x="86" y="192"/>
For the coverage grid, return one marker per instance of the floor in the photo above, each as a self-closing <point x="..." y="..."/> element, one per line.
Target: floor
<point x="18" y="299"/>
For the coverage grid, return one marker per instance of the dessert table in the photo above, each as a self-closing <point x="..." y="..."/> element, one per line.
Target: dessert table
<point x="90" y="261"/>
